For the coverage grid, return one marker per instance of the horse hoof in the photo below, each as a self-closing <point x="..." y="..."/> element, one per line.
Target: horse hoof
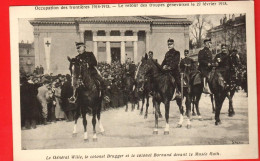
<point x="95" y="139"/>
<point x="155" y="132"/>
<point x="193" y="114"/>
<point x="86" y="140"/>
<point x="126" y="110"/>
<point x="160" y="115"/>
<point x="166" y="132"/>
<point x="231" y="114"/>
<point x="179" y="126"/>
<point x="188" y="126"/>
<point x="74" y="135"/>
<point x="145" y="116"/>
<point x="102" y="132"/>
<point x="217" y="123"/>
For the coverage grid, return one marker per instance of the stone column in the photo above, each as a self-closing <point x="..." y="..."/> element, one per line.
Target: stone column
<point x="147" y="41"/>
<point x="36" y="49"/>
<point x="186" y="37"/>
<point x="122" y="33"/>
<point x="122" y="52"/>
<point x="135" y="47"/>
<point x="108" y="49"/>
<point x="81" y="36"/>
<point x="95" y="45"/>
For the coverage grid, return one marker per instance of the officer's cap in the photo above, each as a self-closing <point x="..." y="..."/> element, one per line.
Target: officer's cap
<point x="170" y="41"/>
<point x="207" y="40"/>
<point x="79" y="44"/>
<point x="186" y="51"/>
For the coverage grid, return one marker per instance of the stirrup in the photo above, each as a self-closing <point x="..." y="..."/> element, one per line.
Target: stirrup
<point x="206" y="91"/>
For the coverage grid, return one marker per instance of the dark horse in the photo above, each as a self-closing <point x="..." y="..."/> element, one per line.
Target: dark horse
<point x="129" y="83"/>
<point x="217" y="88"/>
<point x="196" y="91"/>
<point x="163" y="91"/>
<point x="144" y="88"/>
<point x="88" y="96"/>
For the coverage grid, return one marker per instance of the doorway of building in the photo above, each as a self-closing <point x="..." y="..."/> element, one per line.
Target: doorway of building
<point x="115" y="55"/>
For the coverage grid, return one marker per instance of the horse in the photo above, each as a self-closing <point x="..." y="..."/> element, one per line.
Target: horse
<point x="129" y="83"/>
<point x="144" y="88"/>
<point x="163" y="91"/>
<point x="196" y="91"/>
<point x="88" y="96"/>
<point x="220" y="92"/>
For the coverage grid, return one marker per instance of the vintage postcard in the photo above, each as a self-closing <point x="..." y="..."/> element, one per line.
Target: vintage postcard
<point x="141" y="81"/>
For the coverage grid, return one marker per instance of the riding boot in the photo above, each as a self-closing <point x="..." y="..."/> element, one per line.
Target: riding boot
<point x="206" y="88"/>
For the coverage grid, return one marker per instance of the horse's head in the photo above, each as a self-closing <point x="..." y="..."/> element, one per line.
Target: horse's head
<point x="75" y="71"/>
<point x="143" y="73"/>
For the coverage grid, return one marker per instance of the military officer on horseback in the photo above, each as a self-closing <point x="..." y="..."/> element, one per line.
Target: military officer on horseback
<point x="186" y="64"/>
<point x="171" y="63"/>
<point x="223" y="65"/>
<point x="89" y="58"/>
<point x="205" y="64"/>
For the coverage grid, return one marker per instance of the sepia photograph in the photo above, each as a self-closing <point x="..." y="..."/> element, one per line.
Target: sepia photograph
<point x="159" y="79"/>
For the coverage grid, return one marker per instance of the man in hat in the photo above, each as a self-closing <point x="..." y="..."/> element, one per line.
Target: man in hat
<point x="171" y="62"/>
<point x="223" y="64"/>
<point x="89" y="58"/>
<point x="186" y="64"/>
<point x="205" y="63"/>
<point x="43" y="97"/>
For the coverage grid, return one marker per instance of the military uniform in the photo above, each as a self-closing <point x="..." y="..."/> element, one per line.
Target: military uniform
<point x="172" y="60"/>
<point x="204" y="58"/>
<point x="187" y="64"/>
<point x="89" y="58"/>
<point x="223" y="65"/>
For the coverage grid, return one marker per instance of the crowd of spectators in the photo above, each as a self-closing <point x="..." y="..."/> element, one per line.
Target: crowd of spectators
<point x="34" y="97"/>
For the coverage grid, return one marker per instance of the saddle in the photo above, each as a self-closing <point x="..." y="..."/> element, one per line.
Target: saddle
<point x="196" y="79"/>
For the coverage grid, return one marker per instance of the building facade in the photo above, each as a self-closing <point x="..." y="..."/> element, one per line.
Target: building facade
<point x="232" y="32"/>
<point x="26" y="57"/>
<point x="111" y="39"/>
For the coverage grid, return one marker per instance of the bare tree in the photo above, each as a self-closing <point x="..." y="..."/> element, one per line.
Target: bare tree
<point x="199" y="29"/>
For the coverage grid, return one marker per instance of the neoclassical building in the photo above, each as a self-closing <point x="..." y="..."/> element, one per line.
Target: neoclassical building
<point x="109" y="38"/>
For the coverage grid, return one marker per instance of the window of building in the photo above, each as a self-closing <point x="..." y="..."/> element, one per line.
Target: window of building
<point x="28" y="51"/>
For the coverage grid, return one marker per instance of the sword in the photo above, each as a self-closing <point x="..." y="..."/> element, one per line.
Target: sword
<point x="182" y="82"/>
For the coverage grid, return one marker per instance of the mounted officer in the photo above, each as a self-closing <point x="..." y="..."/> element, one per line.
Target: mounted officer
<point x="89" y="58"/>
<point x="205" y="64"/>
<point x="186" y="64"/>
<point x="187" y="67"/>
<point x="171" y="63"/>
<point x="223" y="65"/>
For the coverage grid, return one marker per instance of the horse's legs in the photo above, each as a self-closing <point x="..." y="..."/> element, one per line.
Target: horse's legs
<point x="179" y="103"/>
<point x="99" y="121"/>
<point x="147" y="105"/>
<point x="142" y="108"/>
<point x="94" y="125"/>
<point x="219" y="99"/>
<point x="197" y="106"/>
<point x="193" y="105"/>
<point x="212" y="102"/>
<point x="157" y="106"/>
<point x="126" y="104"/>
<point x="77" y="114"/>
<point x="188" y="110"/>
<point x="167" y="110"/>
<point x="84" y="120"/>
<point x="231" y="111"/>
